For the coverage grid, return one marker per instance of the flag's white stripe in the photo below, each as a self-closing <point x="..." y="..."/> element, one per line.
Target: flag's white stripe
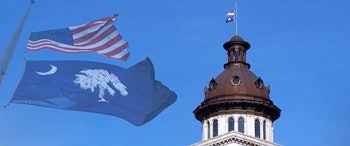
<point x="110" y="36"/>
<point x="231" y="13"/>
<point x="36" y="45"/>
<point x="40" y="44"/>
<point x="46" y="41"/>
<point x="83" y="25"/>
<point x="90" y="29"/>
<point x="101" y="21"/>
<point x="103" y="41"/>
<point x="113" y="47"/>
<point x="58" y="47"/>
<point x="120" y="54"/>
<point x="86" y="31"/>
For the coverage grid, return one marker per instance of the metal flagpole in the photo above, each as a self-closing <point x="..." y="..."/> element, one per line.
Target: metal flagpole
<point x="8" y="52"/>
<point x="236" y="15"/>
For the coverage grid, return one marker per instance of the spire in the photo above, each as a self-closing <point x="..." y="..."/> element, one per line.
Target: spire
<point x="236" y="11"/>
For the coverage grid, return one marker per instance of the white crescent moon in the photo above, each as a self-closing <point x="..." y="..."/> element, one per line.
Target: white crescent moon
<point x="50" y="72"/>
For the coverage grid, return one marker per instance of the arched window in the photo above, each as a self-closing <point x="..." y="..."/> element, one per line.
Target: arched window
<point x="264" y="130"/>
<point x="231" y="124"/>
<point x="241" y="124"/>
<point x="208" y="125"/>
<point x="233" y="55"/>
<point x="215" y="128"/>
<point x="239" y="55"/>
<point x="259" y="83"/>
<point x="257" y="128"/>
<point x="212" y="84"/>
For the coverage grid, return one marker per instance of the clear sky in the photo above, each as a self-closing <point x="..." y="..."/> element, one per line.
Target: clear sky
<point x="300" y="48"/>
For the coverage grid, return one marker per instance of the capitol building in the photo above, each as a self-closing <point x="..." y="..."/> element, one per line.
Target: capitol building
<point x="237" y="109"/>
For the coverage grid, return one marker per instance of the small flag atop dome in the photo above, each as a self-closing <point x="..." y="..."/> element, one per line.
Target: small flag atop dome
<point x="230" y="13"/>
<point x="229" y="19"/>
<point x="230" y="16"/>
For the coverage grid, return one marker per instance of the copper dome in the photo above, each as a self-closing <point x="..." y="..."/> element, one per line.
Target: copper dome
<point x="237" y="80"/>
<point x="237" y="90"/>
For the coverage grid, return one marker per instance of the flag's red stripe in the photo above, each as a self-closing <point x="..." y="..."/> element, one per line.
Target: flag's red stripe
<point x="108" y="44"/>
<point x="31" y="46"/>
<point x="42" y="43"/>
<point x="123" y="58"/>
<point x="91" y="24"/>
<point x="84" y="28"/>
<point x="117" y="50"/>
<point x="52" y="46"/>
<point x="97" y="39"/>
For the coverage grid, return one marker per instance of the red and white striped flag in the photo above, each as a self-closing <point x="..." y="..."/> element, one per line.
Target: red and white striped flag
<point x="98" y="36"/>
<point x="230" y="16"/>
<point x="230" y="13"/>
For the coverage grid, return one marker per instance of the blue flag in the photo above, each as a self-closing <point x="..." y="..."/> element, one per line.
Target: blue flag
<point x="132" y="94"/>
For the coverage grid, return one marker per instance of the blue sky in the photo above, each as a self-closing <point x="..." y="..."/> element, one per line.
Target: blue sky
<point x="300" y="48"/>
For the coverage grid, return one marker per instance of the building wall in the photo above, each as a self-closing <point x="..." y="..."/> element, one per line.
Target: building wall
<point x="249" y="126"/>
<point x="233" y="144"/>
<point x="234" y="138"/>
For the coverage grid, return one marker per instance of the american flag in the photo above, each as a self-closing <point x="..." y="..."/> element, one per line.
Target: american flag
<point x="230" y="13"/>
<point x="98" y="36"/>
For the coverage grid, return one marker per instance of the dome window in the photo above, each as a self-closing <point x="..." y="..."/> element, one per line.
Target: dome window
<point x="241" y="124"/>
<point x="212" y="84"/>
<point x="208" y="125"/>
<point x="215" y="128"/>
<point x="257" y="128"/>
<point x="264" y="130"/>
<point x="231" y="124"/>
<point x="259" y="83"/>
<point x="235" y="80"/>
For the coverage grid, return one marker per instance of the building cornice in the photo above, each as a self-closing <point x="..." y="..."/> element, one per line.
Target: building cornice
<point x="235" y="106"/>
<point x="237" y="138"/>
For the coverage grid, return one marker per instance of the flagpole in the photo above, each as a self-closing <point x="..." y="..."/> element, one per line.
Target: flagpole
<point x="236" y="15"/>
<point x="8" y="52"/>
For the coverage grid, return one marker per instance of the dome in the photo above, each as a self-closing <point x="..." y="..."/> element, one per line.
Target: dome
<point x="237" y="81"/>
<point x="237" y="90"/>
<point x="237" y="38"/>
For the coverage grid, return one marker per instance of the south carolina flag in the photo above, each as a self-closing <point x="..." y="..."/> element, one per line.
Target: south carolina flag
<point x="132" y="94"/>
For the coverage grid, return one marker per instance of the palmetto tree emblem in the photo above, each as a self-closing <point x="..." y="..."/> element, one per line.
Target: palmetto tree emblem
<point x="101" y="79"/>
